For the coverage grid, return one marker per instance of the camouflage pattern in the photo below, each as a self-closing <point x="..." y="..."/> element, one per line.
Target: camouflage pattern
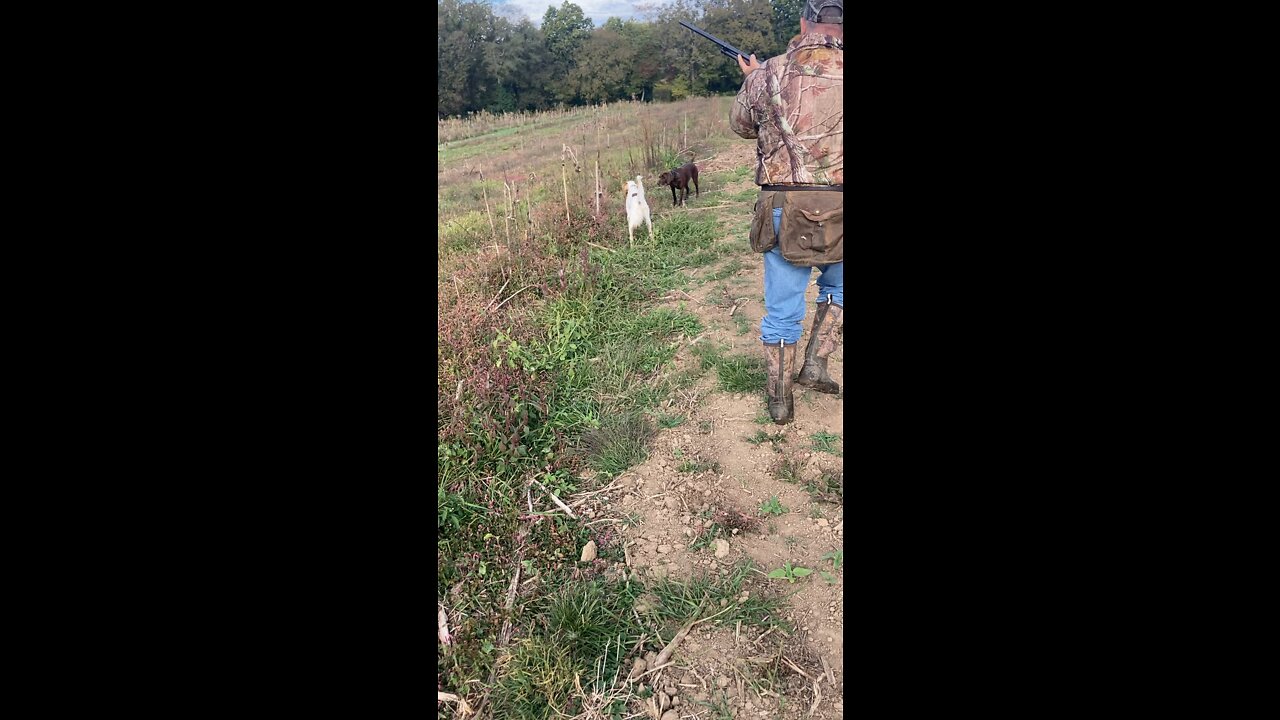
<point x="780" y="363"/>
<point x="823" y="340"/>
<point x="794" y="106"/>
<point x="830" y="316"/>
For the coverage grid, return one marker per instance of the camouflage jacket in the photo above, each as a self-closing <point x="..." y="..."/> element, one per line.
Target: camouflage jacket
<point x="794" y="106"/>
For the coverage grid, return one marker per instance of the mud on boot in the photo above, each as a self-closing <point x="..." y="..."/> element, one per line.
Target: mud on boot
<point x="822" y="342"/>
<point x="780" y="361"/>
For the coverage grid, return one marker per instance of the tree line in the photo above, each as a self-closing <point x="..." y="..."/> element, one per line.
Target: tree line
<point x="489" y="62"/>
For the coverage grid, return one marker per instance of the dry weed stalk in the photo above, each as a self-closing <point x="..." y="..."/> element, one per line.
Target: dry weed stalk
<point x="487" y="211"/>
<point x="565" y="182"/>
<point x="598" y="193"/>
<point x="463" y="708"/>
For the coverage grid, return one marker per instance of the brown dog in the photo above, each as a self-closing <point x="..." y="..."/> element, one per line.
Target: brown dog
<point x="679" y="179"/>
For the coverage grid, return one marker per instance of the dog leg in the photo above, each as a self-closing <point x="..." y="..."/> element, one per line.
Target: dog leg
<point x="673" y="195"/>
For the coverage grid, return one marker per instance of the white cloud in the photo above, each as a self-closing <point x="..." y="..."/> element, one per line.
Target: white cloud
<point x="597" y="10"/>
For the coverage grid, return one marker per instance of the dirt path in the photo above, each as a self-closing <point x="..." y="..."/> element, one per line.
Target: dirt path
<point x="726" y="457"/>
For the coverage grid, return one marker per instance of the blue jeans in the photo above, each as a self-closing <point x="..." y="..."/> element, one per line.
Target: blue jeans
<point x="784" y="286"/>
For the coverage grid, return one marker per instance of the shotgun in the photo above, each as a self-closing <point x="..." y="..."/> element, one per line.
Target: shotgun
<point x="726" y="48"/>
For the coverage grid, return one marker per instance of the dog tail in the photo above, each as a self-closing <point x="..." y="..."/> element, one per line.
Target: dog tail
<point x="640" y="182"/>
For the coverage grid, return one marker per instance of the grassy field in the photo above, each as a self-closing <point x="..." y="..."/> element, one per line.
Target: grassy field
<point x="564" y="352"/>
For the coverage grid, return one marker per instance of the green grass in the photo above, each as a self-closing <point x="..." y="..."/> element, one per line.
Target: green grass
<point x="497" y="142"/>
<point x="787" y="470"/>
<point x="727" y="177"/>
<point x="604" y="353"/>
<point x="763" y="437"/>
<point x="826" y="442"/>
<point x="682" y="242"/>
<point x="719" y="296"/>
<point x="592" y="630"/>
<point x="836" y="557"/>
<point x="773" y="507"/>
<point x="826" y="488"/>
<point x="669" y="421"/>
<point x="700" y="596"/>
<point x="718" y="707"/>
<point x="620" y="442"/>
<point x="728" y="269"/>
<point x="698" y="466"/>
<point x="584" y="327"/>
<point x="707" y="536"/>
<point x="742" y="374"/>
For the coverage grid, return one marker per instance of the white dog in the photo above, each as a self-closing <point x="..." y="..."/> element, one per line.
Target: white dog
<point x="637" y="209"/>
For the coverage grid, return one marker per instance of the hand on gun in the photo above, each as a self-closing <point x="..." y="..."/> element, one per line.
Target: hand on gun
<point x="749" y="66"/>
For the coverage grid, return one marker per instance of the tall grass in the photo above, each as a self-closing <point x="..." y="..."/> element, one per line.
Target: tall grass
<point x="552" y="367"/>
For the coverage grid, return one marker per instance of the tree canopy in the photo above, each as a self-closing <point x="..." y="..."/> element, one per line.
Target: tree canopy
<point x="487" y="61"/>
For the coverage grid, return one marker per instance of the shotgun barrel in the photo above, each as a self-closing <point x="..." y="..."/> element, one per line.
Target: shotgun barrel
<point x="726" y="48"/>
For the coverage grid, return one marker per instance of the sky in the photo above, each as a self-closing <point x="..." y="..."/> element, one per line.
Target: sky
<point x="597" y="10"/>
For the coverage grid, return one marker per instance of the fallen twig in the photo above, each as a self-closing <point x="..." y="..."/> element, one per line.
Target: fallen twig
<point x="555" y="499"/>
<point x="497" y="295"/>
<point x="708" y="207"/>
<point x="709" y="617"/>
<point x="504" y="302"/>
<point x="817" y="698"/>
<point x="463" y="707"/>
<point x="584" y="496"/>
<point x="511" y="591"/>
<point x="665" y="655"/>
<point x="443" y="622"/>
<point x="797" y="669"/>
<point x="831" y="677"/>
<point x="700" y="678"/>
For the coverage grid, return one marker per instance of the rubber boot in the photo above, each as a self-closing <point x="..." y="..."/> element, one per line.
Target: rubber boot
<point x="822" y="342"/>
<point x="780" y="359"/>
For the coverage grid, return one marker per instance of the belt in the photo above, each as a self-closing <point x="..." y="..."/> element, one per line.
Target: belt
<point x="791" y="188"/>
